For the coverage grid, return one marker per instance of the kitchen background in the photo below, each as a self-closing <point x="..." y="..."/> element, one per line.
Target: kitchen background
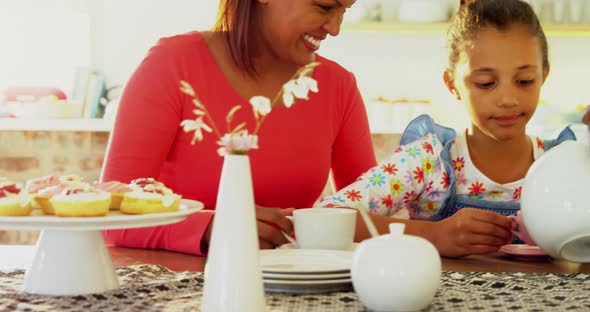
<point x="63" y="64"/>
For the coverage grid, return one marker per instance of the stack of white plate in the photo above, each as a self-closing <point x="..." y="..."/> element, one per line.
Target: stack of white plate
<point x="306" y="271"/>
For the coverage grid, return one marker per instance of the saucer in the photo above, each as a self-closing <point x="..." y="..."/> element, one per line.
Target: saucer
<point x="305" y="261"/>
<point x="524" y="252"/>
<point x="292" y="246"/>
<point x="307" y="287"/>
<point x="305" y="276"/>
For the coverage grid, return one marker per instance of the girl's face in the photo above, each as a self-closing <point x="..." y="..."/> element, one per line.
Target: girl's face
<point x="499" y="77"/>
<point x="292" y="30"/>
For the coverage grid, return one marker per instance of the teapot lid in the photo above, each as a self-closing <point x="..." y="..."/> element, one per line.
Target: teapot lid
<point x="397" y="245"/>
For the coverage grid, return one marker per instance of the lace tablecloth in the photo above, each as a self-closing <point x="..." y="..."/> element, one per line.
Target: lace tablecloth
<point x="155" y="288"/>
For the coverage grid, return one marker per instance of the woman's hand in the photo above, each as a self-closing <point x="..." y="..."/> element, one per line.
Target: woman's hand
<point x="471" y="231"/>
<point x="586" y="116"/>
<point x="270" y="223"/>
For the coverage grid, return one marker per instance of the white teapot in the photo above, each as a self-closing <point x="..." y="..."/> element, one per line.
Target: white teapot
<point x="396" y="272"/>
<point x="555" y="202"/>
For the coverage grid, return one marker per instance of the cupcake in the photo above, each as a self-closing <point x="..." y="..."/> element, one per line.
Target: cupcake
<point x="117" y="190"/>
<point x="46" y="187"/>
<point x="33" y="186"/>
<point x="14" y="200"/>
<point x="149" y="196"/>
<point x="81" y="201"/>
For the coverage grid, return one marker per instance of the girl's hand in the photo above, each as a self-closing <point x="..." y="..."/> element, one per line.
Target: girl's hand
<point x="472" y="231"/>
<point x="270" y="223"/>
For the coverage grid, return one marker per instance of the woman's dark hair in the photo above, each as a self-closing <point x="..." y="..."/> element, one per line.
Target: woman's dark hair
<point x="234" y="21"/>
<point x="474" y="15"/>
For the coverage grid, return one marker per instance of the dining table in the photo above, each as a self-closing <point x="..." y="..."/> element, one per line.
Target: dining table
<point x="158" y="280"/>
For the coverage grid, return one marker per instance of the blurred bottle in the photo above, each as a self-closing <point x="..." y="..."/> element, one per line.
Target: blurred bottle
<point x="390" y="10"/>
<point x="537" y="6"/>
<point x="560" y="11"/>
<point x="356" y="14"/>
<point x="374" y="10"/>
<point x="576" y="11"/>
<point x="546" y="11"/>
<point x="423" y="11"/>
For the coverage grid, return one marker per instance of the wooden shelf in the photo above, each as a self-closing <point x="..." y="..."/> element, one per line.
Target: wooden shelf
<point x="72" y="124"/>
<point x="557" y="30"/>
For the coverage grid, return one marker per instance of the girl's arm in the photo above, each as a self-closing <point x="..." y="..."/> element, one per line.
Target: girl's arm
<point x="413" y="178"/>
<point x="470" y="231"/>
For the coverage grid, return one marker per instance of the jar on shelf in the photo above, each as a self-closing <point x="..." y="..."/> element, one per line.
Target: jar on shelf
<point x="576" y="11"/>
<point x="423" y="11"/>
<point x="560" y="11"/>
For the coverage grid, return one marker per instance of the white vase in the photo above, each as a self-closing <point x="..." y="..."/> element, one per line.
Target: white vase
<point x="233" y="281"/>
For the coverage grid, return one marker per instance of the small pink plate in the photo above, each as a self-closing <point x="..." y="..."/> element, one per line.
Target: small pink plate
<point x="524" y="251"/>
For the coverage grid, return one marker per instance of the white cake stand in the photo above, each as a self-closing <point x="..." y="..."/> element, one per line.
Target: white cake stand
<point x="71" y="257"/>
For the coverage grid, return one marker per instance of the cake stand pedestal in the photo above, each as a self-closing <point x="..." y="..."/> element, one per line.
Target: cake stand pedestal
<point x="70" y="262"/>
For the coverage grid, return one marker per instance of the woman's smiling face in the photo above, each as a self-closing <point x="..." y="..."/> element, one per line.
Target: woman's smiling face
<point x="292" y="30"/>
<point x="499" y="77"/>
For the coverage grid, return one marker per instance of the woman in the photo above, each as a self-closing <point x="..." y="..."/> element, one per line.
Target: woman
<point x="255" y="47"/>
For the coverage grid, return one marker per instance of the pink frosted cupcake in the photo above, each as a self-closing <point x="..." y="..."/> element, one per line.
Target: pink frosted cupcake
<point x="33" y="186"/>
<point x="149" y="196"/>
<point x="116" y="189"/>
<point x="46" y="187"/>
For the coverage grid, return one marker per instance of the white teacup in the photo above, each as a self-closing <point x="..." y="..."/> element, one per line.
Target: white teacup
<point x="324" y="228"/>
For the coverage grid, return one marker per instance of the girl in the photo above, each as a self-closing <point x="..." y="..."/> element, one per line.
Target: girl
<point x="468" y="182"/>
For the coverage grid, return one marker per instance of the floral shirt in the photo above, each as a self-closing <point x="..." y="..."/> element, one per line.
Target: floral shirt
<point x="414" y="178"/>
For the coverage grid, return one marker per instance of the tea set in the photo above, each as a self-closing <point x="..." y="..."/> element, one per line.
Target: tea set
<point x="398" y="272"/>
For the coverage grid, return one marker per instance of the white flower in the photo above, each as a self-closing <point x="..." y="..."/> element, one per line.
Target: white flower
<point x="237" y="140"/>
<point x="261" y="104"/>
<point x="288" y="88"/>
<point x="298" y="89"/>
<point x="233" y="143"/>
<point x="197" y="126"/>
<point x="185" y="87"/>
<point x="309" y="83"/>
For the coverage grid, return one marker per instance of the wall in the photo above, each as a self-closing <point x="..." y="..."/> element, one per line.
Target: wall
<point x="123" y="31"/>
<point x="29" y="154"/>
<point x="43" y="42"/>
